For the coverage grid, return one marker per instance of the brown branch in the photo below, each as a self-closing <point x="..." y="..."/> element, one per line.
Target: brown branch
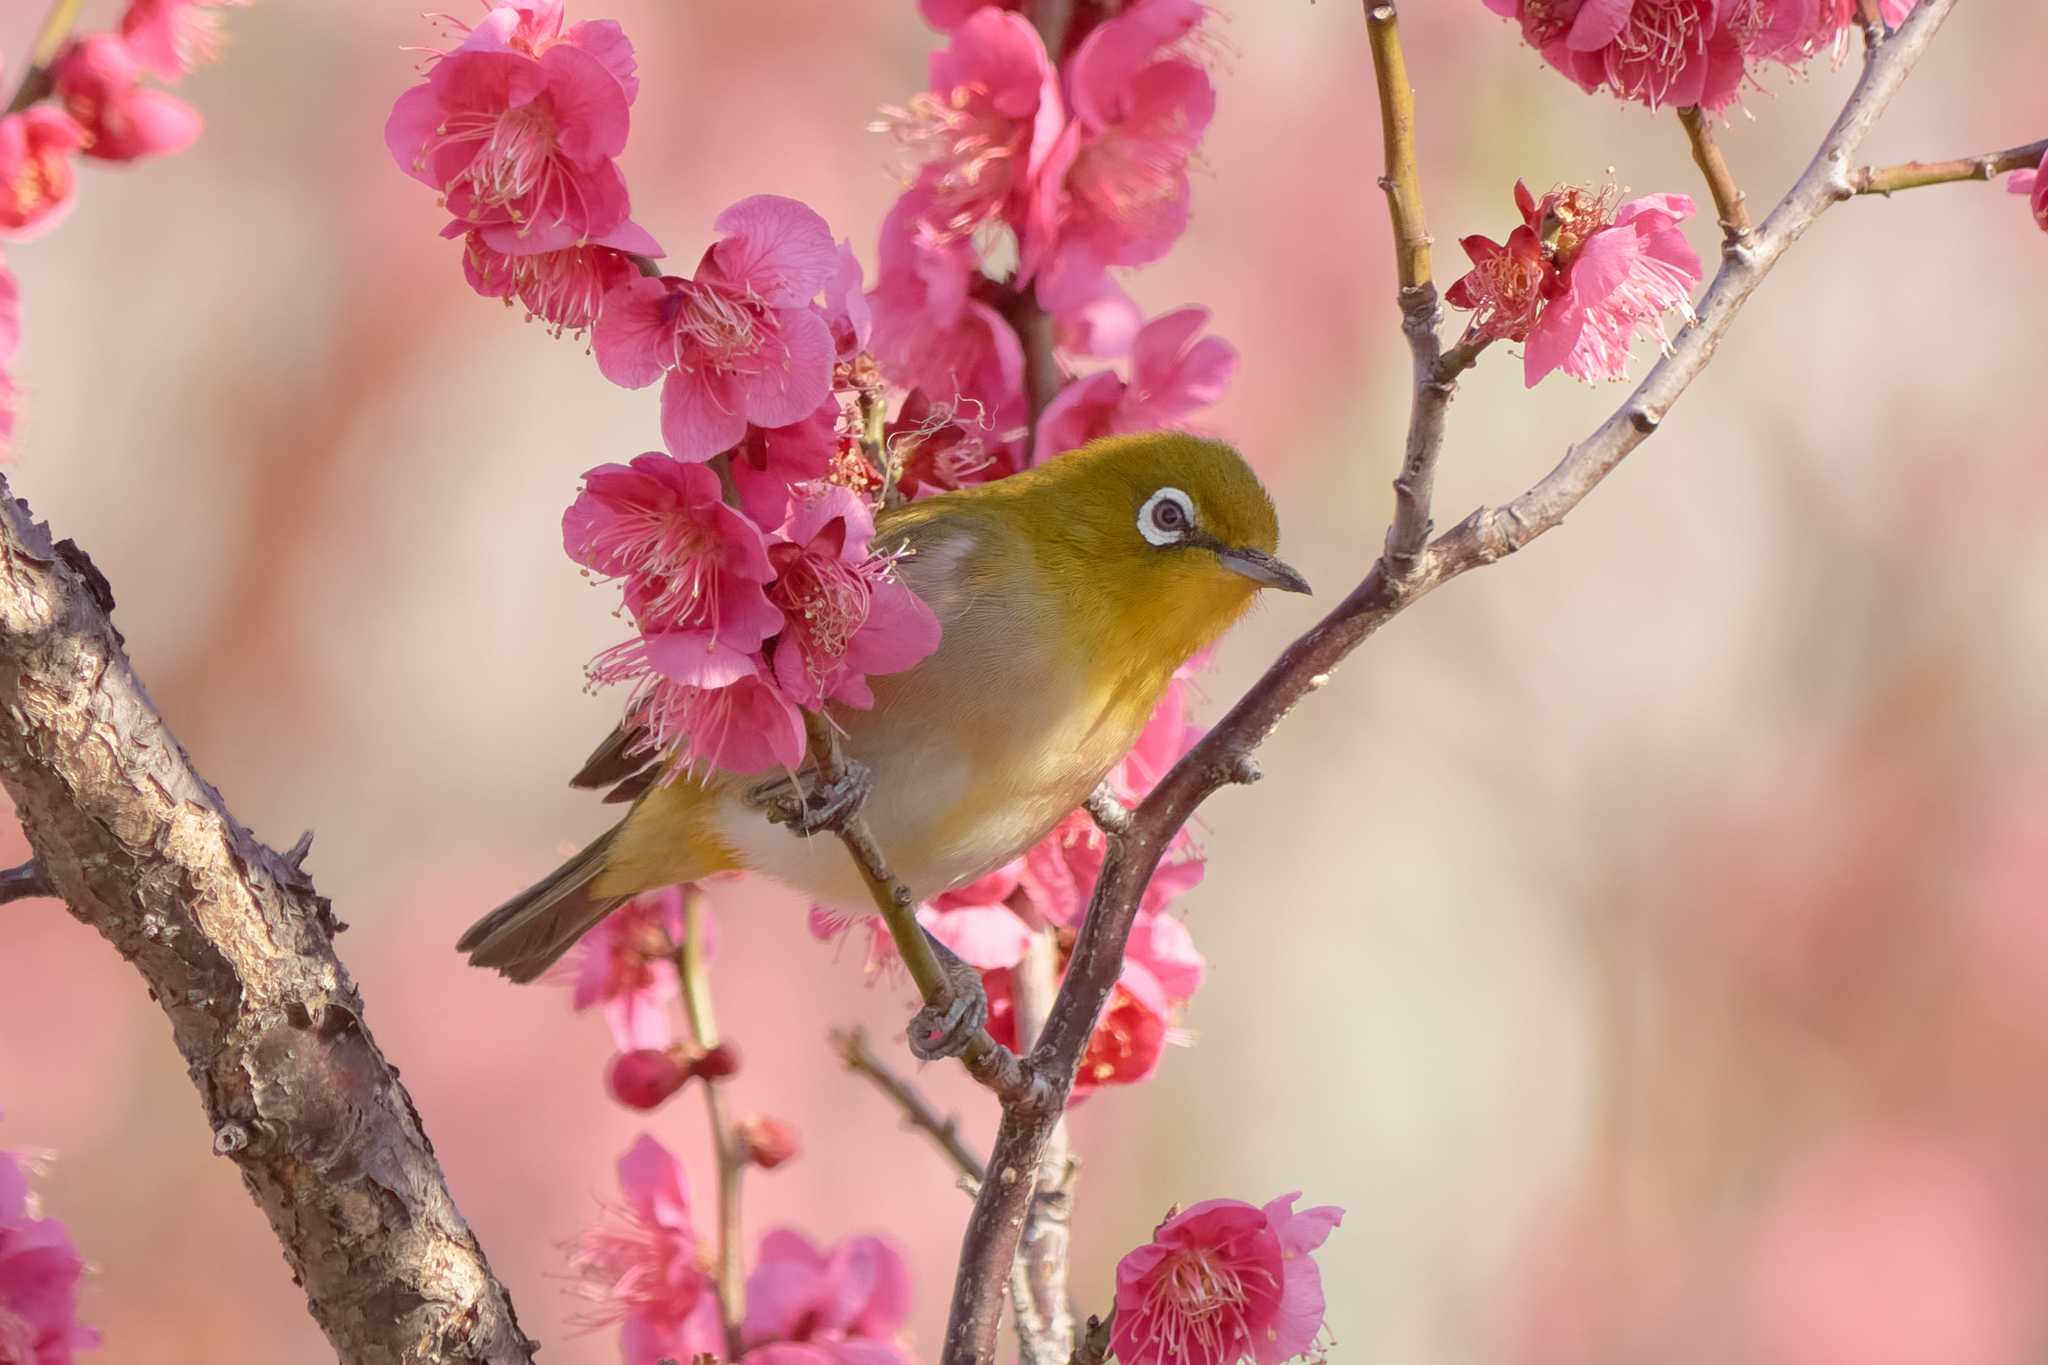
<point x="942" y="1129"/>
<point x="21" y="883"/>
<point x="1729" y="201"/>
<point x="1913" y="175"/>
<point x="1421" y="314"/>
<point x="237" y="948"/>
<point x="692" y="971"/>
<point x="1486" y="536"/>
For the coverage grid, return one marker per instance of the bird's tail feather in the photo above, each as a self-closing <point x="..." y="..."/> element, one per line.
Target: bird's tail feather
<point x="523" y="937"/>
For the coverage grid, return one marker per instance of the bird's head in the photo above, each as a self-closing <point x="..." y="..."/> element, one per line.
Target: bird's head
<point x="1171" y="535"/>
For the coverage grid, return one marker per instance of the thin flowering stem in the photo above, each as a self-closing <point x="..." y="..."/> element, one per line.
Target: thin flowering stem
<point x="1218" y="758"/>
<point x="1421" y="312"/>
<point x="1402" y="180"/>
<point x="50" y="38"/>
<point x="693" y="973"/>
<point x="1729" y="200"/>
<point x="918" y="1112"/>
<point x="1913" y="175"/>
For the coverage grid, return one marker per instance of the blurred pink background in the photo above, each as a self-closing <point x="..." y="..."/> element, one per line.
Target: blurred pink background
<point x="1644" y="940"/>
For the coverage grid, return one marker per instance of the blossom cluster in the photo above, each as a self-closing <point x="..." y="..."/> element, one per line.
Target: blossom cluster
<point x="2033" y="184"/>
<point x="39" y="1271"/>
<point x="1579" y="279"/>
<point x="1034" y="176"/>
<point x="1682" y="52"/>
<point x="92" y="99"/>
<point x="645" y="1270"/>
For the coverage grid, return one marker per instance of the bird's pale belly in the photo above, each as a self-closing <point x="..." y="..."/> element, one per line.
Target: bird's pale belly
<point x="945" y="809"/>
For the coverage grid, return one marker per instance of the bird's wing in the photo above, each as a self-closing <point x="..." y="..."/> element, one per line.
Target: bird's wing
<point x="933" y="534"/>
<point x="622" y="762"/>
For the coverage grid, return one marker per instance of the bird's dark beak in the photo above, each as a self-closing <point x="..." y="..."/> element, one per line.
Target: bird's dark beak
<point x="1262" y="569"/>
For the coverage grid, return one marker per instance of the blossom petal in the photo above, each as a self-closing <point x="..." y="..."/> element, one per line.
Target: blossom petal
<point x="777" y="248"/>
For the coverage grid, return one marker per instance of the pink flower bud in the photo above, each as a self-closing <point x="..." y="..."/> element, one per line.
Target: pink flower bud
<point x="99" y="83"/>
<point x="645" y="1077"/>
<point x="768" y="1142"/>
<point x="717" y="1063"/>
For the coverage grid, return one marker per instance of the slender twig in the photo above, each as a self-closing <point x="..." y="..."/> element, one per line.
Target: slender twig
<point x="1912" y="175"/>
<point x="1034" y="329"/>
<point x="693" y="970"/>
<point x="1871" y="20"/>
<point x="1421" y="314"/>
<point x="20" y="883"/>
<point x="1729" y="200"/>
<point x="237" y="949"/>
<point x="1038" y="1291"/>
<point x="988" y="1061"/>
<point x="35" y="81"/>
<point x="1094" y="1347"/>
<point x="918" y="1112"/>
<point x="874" y="444"/>
<point x="1487" y="535"/>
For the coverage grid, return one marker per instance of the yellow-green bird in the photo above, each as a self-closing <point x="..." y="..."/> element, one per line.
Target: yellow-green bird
<point x="1067" y="596"/>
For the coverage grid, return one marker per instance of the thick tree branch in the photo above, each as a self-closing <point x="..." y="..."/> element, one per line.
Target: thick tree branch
<point x="1912" y="175"/>
<point x="1729" y="201"/>
<point x="1304" y="666"/>
<point x="236" y="947"/>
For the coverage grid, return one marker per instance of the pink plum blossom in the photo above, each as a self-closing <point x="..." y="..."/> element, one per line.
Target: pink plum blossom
<point x="740" y="343"/>
<point x="2034" y="184"/>
<point x="1580" y="279"/>
<point x="932" y="330"/>
<point x="941" y="447"/>
<point x="39" y="1272"/>
<point x="1224" y="1282"/>
<point x="1173" y="375"/>
<point x="99" y="83"/>
<point x="564" y="288"/>
<point x="36" y="175"/>
<point x="846" y="613"/>
<point x="170" y="37"/>
<point x="768" y="461"/>
<point x="643" y="1268"/>
<point x="622" y="964"/>
<point x="846" y="1303"/>
<point x="519" y="135"/>
<point x="703" y="703"/>
<point x="1656" y="52"/>
<point x="1115" y="191"/>
<point x="686" y="560"/>
<point x="985" y="128"/>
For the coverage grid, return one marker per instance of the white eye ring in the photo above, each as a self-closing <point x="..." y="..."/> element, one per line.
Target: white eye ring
<point x="1166" y="517"/>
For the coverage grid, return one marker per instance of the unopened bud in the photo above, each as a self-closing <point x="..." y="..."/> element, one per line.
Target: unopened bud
<point x="715" y="1064"/>
<point x="644" y="1077"/>
<point x="768" y="1142"/>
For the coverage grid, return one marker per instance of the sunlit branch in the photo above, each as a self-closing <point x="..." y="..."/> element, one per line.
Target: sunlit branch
<point x="693" y="971"/>
<point x="1913" y="175"/>
<point x="1487" y="535"/>
<point x="1729" y="201"/>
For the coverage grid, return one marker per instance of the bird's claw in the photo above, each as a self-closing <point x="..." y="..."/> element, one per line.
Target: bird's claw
<point x="825" y="806"/>
<point x="938" y="1033"/>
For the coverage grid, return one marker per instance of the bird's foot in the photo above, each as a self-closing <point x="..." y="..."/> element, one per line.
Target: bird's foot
<point x="826" y="806"/>
<point x="936" y="1033"/>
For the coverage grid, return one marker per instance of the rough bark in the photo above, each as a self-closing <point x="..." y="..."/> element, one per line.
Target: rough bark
<point x="237" y="947"/>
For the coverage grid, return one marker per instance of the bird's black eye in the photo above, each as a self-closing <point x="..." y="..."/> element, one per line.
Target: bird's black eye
<point x="1166" y="516"/>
